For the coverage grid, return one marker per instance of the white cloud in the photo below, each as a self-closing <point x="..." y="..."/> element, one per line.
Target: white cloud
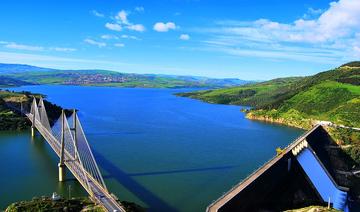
<point x="122" y="17"/>
<point x="115" y="27"/>
<point x="139" y="9"/>
<point x="340" y="20"/>
<point x="109" y="37"/>
<point x="37" y="59"/>
<point x="356" y="50"/>
<point x="184" y="37"/>
<point x="97" y="14"/>
<point x="313" y="11"/>
<point x="122" y="21"/>
<point x="63" y="49"/>
<point x="12" y="45"/>
<point x="283" y="52"/>
<point x="336" y="29"/>
<point x="136" y="27"/>
<point x="130" y="37"/>
<point x="119" y="45"/>
<point x="164" y="27"/>
<point x="95" y="43"/>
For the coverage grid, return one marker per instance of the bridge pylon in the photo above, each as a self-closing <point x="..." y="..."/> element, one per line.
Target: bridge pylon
<point x="61" y="164"/>
<point x="33" y="128"/>
<point x="62" y="173"/>
<point x="73" y="129"/>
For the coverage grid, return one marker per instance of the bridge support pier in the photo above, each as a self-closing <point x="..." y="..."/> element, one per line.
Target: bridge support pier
<point x="32" y="132"/>
<point x="62" y="168"/>
<point x="61" y="164"/>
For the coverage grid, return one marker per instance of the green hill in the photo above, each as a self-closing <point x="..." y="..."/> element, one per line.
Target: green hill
<point x="258" y="95"/>
<point x="10" y="104"/>
<point x="8" y="82"/>
<point x="298" y="101"/>
<point x="24" y="74"/>
<point x="328" y="100"/>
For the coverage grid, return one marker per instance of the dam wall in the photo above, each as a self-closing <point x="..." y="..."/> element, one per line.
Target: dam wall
<point x="294" y="179"/>
<point x="282" y="186"/>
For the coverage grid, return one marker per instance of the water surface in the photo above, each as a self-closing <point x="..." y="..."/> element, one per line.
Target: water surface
<point x="164" y="152"/>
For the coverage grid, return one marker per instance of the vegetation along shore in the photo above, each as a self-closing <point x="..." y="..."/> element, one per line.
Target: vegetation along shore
<point x="62" y="204"/>
<point x="10" y="109"/>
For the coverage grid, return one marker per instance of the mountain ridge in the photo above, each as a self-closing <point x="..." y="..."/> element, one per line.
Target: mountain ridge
<point x="98" y="77"/>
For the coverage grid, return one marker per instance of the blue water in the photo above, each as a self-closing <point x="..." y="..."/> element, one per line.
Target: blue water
<point x="163" y="152"/>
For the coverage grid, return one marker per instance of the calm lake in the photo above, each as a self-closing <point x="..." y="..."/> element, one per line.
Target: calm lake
<point x="163" y="152"/>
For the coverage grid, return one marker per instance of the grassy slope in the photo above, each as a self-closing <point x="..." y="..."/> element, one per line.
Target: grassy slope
<point x="74" y="204"/>
<point x="46" y="204"/>
<point x="9" y="82"/>
<point x="313" y="209"/>
<point x="332" y="95"/>
<point x="9" y="120"/>
<point x="256" y="95"/>
<point x="12" y="120"/>
<point x="328" y="100"/>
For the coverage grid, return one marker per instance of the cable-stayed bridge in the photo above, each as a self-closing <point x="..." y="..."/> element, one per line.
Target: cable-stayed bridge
<point x="67" y="138"/>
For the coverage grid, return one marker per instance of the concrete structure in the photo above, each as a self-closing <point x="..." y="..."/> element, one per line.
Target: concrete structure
<point x="73" y="149"/>
<point x="32" y="126"/>
<point x="32" y="131"/>
<point x="61" y="172"/>
<point x="295" y="178"/>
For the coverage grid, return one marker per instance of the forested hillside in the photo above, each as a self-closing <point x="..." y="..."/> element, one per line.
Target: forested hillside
<point x="332" y="95"/>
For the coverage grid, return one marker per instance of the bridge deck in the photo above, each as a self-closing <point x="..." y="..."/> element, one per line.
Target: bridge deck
<point x="96" y="191"/>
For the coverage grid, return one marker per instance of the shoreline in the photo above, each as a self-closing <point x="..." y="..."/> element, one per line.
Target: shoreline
<point x="11" y="117"/>
<point x="251" y="116"/>
<point x="281" y="121"/>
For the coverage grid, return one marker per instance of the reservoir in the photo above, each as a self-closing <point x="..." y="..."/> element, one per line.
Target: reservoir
<point x="164" y="152"/>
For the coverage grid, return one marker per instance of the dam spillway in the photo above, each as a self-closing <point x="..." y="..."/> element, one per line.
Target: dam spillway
<point x="322" y="180"/>
<point x="301" y="175"/>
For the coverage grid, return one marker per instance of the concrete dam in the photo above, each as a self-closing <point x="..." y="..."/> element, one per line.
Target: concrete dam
<point x="303" y="174"/>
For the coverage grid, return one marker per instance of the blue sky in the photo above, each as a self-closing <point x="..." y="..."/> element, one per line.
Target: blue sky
<point x="248" y="39"/>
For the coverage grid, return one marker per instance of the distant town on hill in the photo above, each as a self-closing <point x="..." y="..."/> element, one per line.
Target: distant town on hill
<point x="17" y="75"/>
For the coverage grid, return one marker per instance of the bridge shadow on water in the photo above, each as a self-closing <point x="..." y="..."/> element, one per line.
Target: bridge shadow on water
<point x="154" y="202"/>
<point x="216" y="168"/>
